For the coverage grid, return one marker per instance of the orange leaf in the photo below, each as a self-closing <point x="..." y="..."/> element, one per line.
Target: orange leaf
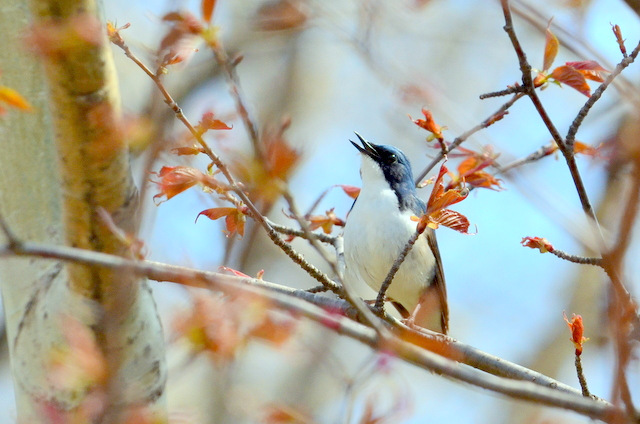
<point x="577" y="331"/>
<point x="176" y="179"/>
<point x="235" y="223"/>
<point x="585" y="149"/>
<point x="537" y="243"/>
<point x="350" y="191"/>
<point x="589" y="68"/>
<point x="182" y="151"/>
<point x="326" y="222"/>
<point x="483" y="179"/>
<point x="13" y="98"/>
<point x="450" y="219"/>
<point x="550" y="49"/>
<point x="571" y="77"/>
<point x="208" y="122"/>
<point x="216" y="213"/>
<point x="207" y="7"/>
<point x="429" y="124"/>
<point x="440" y="198"/>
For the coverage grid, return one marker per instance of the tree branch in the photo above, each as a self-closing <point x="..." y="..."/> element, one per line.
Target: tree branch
<point x="538" y="388"/>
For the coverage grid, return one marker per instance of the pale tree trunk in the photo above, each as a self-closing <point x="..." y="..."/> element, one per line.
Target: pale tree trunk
<point x="58" y="165"/>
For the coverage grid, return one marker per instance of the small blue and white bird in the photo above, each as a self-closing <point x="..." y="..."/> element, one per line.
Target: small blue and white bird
<point x="377" y="230"/>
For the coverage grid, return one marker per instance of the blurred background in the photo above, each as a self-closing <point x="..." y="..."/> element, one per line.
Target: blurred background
<point x="335" y="67"/>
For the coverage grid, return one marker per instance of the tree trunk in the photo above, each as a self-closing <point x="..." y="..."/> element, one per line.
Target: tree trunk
<point x="59" y="165"/>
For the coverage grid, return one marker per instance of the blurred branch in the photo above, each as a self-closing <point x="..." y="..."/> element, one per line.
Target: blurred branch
<point x="229" y="69"/>
<point x="539" y="389"/>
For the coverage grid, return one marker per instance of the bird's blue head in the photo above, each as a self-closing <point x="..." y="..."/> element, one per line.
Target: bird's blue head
<point x="395" y="169"/>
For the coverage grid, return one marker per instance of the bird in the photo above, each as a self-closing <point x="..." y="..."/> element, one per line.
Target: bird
<point x="378" y="227"/>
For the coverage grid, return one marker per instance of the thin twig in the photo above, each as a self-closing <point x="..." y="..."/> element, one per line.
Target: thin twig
<point x="379" y="305"/>
<point x="347" y="292"/>
<point x="542" y="152"/>
<point x="229" y="70"/>
<point x="567" y="151"/>
<point x="510" y="90"/>
<point x="464" y="136"/>
<point x="581" y="377"/>
<point x="325" y="238"/>
<point x="254" y="212"/>
<point x="577" y="259"/>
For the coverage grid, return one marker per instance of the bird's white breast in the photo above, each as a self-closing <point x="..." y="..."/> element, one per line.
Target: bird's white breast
<point x="375" y="234"/>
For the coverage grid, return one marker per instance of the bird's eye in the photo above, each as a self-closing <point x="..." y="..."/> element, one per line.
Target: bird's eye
<point x="393" y="159"/>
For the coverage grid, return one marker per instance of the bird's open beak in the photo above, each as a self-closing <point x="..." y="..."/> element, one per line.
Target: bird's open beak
<point x="367" y="148"/>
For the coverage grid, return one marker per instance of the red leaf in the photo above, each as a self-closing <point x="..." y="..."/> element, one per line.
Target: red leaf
<point x="589" y="68"/>
<point x="429" y="124"/>
<point x="537" y="243"/>
<point x="235" y="223"/>
<point x="440" y="198"/>
<point x="208" y="122"/>
<point x="450" y="219"/>
<point x="326" y="222"/>
<point x="176" y="179"/>
<point x="571" y="77"/>
<point x="351" y="191"/>
<point x="585" y="149"/>
<point x="550" y="50"/>
<point x="216" y="213"/>
<point x="207" y="7"/>
<point x="577" y="331"/>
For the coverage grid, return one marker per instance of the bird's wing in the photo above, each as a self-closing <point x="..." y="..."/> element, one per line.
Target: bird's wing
<point x="438" y="284"/>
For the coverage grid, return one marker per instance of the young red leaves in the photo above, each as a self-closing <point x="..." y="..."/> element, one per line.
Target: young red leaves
<point x="326" y="221"/>
<point x="471" y="171"/>
<point x="577" y="332"/>
<point x="234" y="218"/>
<point x="573" y="74"/>
<point x="429" y="124"/>
<point x="440" y="199"/>
<point x="539" y="243"/>
<point x="176" y="179"/>
<point x="209" y="122"/>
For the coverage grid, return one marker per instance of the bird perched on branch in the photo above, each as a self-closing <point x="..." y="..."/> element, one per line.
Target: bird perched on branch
<point x="377" y="230"/>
